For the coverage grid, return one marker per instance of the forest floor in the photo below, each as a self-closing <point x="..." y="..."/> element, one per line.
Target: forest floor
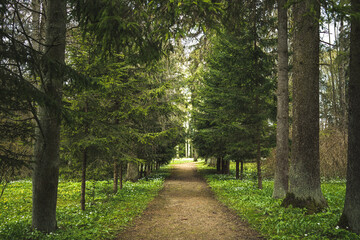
<point x="187" y="209"/>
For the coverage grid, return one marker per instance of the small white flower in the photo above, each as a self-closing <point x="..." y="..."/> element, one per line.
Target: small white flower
<point x="305" y="234"/>
<point x="337" y="227"/>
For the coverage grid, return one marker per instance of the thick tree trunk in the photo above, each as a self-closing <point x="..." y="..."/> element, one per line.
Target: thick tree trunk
<point x="46" y="153"/>
<point x="218" y="165"/>
<point x="132" y="173"/>
<point x="305" y="190"/>
<point x="351" y="214"/>
<point x="116" y="177"/>
<point x="281" y="178"/>
<point x="228" y="167"/>
<point x="237" y="174"/>
<point x="83" y="180"/>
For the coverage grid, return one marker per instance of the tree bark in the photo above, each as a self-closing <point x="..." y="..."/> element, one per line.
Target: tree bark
<point x="121" y="175"/>
<point x="83" y="180"/>
<point x="132" y="173"/>
<point x="141" y="170"/>
<point x="195" y="154"/>
<point x="147" y="169"/>
<point x="35" y="22"/>
<point x="237" y="174"/>
<point x="305" y="190"/>
<point x="242" y="170"/>
<point x="46" y="152"/>
<point x="351" y="214"/>
<point x="116" y="177"/>
<point x="218" y="165"/>
<point x="281" y="178"/>
<point x="258" y="159"/>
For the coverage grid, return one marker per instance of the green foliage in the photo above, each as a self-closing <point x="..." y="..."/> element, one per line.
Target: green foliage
<point x="235" y="101"/>
<point x="143" y="30"/>
<point x="131" y="114"/>
<point x="267" y="216"/>
<point x="105" y="215"/>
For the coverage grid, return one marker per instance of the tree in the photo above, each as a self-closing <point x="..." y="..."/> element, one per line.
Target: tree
<point x="46" y="153"/>
<point x="351" y="213"/>
<point x="305" y="190"/>
<point x="281" y="178"/>
<point x="233" y="105"/>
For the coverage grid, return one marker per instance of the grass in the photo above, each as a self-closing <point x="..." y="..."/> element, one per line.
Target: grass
<point x="105" y="216"/>
<point x="181" y="160"/>
<point x="267" y="216"/>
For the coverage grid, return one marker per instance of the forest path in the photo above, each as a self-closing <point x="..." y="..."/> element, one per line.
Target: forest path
<point x="187" y="209"/>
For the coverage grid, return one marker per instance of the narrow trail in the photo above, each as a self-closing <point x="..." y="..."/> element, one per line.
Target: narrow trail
<point x="187" y="209"/>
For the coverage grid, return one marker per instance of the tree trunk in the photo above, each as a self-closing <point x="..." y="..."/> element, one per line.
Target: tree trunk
<point x="147" y="169"/>
<point x="281" y="178"/>
<point x="242" y="170"/>
<point x="46" y="152"/>
<point x="333" y="86"/>
<point x="35" y="34"/>
<point x="83" y="180"/>
<point x="218" y="165"/>
<point x="305" y="190"/>
<point x="121" y="175"/>
<point x="132" y="173"/>
<point x="195" y="154"/>
<point x="116" y="177"/>
<point x="351" y="214"/>
<point x="237" y="174"/>
<point x="84" y="163"/>
<point x="258" y="159"/>
<point x="223" y="166"/>
<point x="342" y="81"/>
<point x="227" y="167"/>
<point x="141" y="170"/>
<point x="157" y="165"/>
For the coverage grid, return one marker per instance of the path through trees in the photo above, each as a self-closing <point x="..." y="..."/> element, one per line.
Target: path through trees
<point x="187" y="209"/>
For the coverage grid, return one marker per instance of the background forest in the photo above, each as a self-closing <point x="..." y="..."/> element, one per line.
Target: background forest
<point x="100" y="91"/>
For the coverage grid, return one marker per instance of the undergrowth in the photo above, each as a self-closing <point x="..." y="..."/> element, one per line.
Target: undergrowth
<point x="266" y="215"/>
<point x="105" y="216"/>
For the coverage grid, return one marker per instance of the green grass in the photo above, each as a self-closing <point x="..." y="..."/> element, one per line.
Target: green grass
<point x="267" y="216"/>
<point x="105" y="216"/>
<point x="181" y="160"/>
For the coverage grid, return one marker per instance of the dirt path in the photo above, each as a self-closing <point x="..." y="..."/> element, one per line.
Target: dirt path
<point x="187" y="209"/>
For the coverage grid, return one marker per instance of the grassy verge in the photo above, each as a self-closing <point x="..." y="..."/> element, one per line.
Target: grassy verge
<point x="180" y="160"/>
<point x="106" y="213"/>
<point x="273" y="221"/>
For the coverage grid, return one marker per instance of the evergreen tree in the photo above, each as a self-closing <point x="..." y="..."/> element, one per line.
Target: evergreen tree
<point x="46" y="154"/>
<point x="351" y="214"/>
<point x="281" y="178"/>
<point x="305" y="190"/>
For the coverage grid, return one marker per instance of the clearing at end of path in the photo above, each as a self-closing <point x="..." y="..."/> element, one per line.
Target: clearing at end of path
<point x="187" y="209"/>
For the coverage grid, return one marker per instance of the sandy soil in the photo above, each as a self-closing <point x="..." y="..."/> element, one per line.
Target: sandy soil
<point x="187" y="209"/>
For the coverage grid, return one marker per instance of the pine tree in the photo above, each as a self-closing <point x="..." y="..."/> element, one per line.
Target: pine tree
<point x="351" y="213"/>
<point x="305" y="190"/>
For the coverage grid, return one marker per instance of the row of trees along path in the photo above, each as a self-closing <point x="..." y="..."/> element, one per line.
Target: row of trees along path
<point x="187" y="209"/>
